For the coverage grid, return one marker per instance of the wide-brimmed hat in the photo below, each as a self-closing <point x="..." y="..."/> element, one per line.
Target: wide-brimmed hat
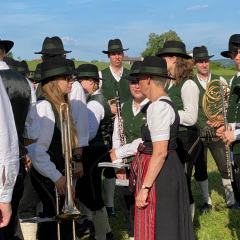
<point x="53" y="46"/>
<point x="22" y="67"/>
<point x="234" y="40"/>
<point x="115" y="45"/>
<point x="36" y="75"/>
<point x="7" y="44"/>
<point x="88" y="71"/>
<point x="133" y="71"/>
<point x="201" y="53"/>
<point x="155" y="66"/>
<point x="54" y="67"/>
<point x="11" y="63"/>
<point x="174" y="48"/>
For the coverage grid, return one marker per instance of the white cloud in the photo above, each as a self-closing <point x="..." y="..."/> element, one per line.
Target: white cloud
<point x="69" y="41"/>
<point x="196" y="7"/>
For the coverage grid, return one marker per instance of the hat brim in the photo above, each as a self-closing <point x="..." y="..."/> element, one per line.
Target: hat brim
<point x="53" y="52"/>
<point x="130" y="78"/>
<point x="203" y="58"/>
<point x="59" y="74"/>
<point x="225" y="54"/>
<point x="7" y="44"/>
<point x="115" y="50"/>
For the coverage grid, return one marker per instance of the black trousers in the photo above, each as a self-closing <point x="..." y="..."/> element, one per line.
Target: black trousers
<point x="188" y="153"/>
<point x="7" y="233"/>
<point x="218" y="151"/>
<point x="236" y="177"/>
<point x="29" y="201"/>
<point x="46" y="192"/>
<point x="89" y="188"/>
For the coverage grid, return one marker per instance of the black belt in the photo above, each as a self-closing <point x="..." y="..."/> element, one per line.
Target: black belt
<point x="148" y="150"/>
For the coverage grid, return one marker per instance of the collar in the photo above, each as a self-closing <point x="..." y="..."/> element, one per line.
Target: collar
<point x="238" y="74"/>
<point x="206" y="81"/>
<point x="113" y="72"/>
<point x="3" y="66"/>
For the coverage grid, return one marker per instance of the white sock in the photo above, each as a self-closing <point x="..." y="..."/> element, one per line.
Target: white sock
<point x="192" y="210"/>
<point x="109" y="186"/>
<point x="29" y="230"/>
<point x="203" y="185"/>
<point x="228" y="191"/>
<point x="101" y="224"/>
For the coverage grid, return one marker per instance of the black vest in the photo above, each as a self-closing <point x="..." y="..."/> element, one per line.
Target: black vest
<point x="19" y="93"/>
<point x="146" y="137"/>
<point x="104" y="133"/>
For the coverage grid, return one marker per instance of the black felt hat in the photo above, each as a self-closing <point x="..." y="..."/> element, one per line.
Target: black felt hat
<point x="134" y="71"/>
<point x="7" y="44"/>
<point x="53" y="46"/>
<point x="54" y="67"/>
<point x="201" y="53"/>
<point x="156" y="66"/>
<point x="115" y="46"/>
<point x="36" y="74"/>
<point x="88" y="70"/>
<point x="11" y="63"/>
<point x="174" y="48"/>
<point x="22" y="67"/>
<point x="233" y="43"/>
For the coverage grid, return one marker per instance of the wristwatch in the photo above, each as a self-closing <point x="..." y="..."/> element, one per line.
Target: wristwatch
<point x="77" y="157"/>
<point x="145" y="187"/>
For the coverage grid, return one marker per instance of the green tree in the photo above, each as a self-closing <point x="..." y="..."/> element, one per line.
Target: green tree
<point x="9" y="54"/>
<point x="156" y="41"/>
<point x="19" y="58"/>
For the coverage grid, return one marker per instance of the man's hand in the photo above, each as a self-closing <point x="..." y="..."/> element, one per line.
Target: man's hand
<point x="78" y="170"/>
<point x="113" y="154"/>
<point x="114" y="108"/>
<point x="5" y="214"/>
<point x="27" y="163"/>
<point x="221" y="130"/>
<point x="121" y="174"/>
<point x="228" y="137"/>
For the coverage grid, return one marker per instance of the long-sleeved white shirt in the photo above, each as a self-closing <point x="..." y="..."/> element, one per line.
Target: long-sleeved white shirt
<point x="96" y="113"/>
<point x="9" y="150"/>
<point x="126" y="149"/>
<point x="40" y="158"/>
<point x="80" y="113"/>
<point x="190" y="98"/>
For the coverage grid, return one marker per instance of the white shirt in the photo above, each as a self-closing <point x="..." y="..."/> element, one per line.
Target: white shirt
<point x="9" y="149"/>
<point x="41" y="159"/>
<point x="127" y="149"/>
<point x="80" y="113"/>
<point x="205" y="82"/>
<point x="31" y="128"/>
<point x="117" y="78"/>
<point x="190" y="98"/>
<point x="96" y="113"/>
<point x="160" y="116"/>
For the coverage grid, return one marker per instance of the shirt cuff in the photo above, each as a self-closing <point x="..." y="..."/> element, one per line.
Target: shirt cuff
<point x="237" y="134"/>
<point x="83" y="142"/>
<point x="6" y="195"/>
<point x="119" y="153"/>
<point x="55" y="176"/>
<point x="160" y="138"/>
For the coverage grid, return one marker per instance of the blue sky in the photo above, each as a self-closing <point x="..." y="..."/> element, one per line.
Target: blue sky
<point x="86" y="26"/>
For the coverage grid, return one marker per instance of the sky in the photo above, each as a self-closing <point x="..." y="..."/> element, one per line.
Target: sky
<point x="86" y="26"/>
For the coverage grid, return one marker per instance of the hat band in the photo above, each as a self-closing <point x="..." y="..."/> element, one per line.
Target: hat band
<point x="52" y="46"/>
<point x="134" y="71"/>
<point x="88" y="74"/>
<point x="55" y="72"/>
<point x="173" y="50"/>
<point x="200" y="55"/>
<point x="153" y="70"/>
<point x="232" y="47"/>
<point x="113" y="47"/>
<point x="22" y="69"/>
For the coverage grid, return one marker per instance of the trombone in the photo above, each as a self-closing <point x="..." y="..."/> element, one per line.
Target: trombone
<point x="69" y="210"/>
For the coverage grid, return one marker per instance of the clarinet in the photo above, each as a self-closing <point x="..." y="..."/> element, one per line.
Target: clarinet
<point x="121" y="133"/>
<point x="228" y="150"/>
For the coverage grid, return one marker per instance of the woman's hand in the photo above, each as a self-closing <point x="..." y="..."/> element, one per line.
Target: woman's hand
<point x="61" y="185"/>
<point x="141" y="199"/>
<point x="121" y="174"/>
<point x="78" y="170"/>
